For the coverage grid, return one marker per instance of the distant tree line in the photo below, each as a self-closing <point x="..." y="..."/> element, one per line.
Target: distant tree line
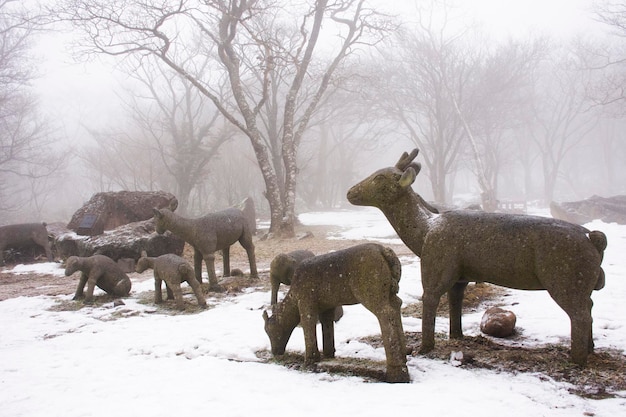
<point x="287" y="101"/>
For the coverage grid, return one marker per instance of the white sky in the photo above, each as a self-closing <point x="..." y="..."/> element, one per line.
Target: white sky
<point x="72" y="94"/>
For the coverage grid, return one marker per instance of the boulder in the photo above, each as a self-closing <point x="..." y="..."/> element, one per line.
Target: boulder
<point x="109" y="210"/>
<point x="607" y="209"/>
<point x="122" y="243"/>
<point x="498" y="322"/>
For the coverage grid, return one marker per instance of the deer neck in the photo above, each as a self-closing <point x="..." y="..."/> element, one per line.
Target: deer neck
<point x="410" y="219"/>
<point x="178" y="225"/>
<point x="289" y="315"/>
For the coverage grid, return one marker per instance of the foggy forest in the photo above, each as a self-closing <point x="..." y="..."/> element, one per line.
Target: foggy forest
<point x="291" y="101"/>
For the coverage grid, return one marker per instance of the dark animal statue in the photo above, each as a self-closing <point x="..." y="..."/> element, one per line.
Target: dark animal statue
<point x="173" y="270"/>
<point x="514" y="251"/>
<point x="282" y="268"/>
<point x="368" y="274"/>
<point x="98" y="270"/>
<point x="18" y="235"/>
<point x="213" y="232"/>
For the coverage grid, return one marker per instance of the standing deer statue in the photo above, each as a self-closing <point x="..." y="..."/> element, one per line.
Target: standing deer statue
<point x="515" y="251"/>
<point x="207" y="234"/>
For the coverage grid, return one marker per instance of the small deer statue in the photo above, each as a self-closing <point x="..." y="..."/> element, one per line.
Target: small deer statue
<point x="515" y="251"/>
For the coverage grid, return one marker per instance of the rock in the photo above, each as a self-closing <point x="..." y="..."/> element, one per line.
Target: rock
<point x="109" y="210"/>
<point x="124" y="243"/>
<point x="498" y="322"/>
<point x="609" y="210"/>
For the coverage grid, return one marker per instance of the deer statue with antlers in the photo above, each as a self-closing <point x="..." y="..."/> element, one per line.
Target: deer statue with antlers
<point x="511" y="250"/>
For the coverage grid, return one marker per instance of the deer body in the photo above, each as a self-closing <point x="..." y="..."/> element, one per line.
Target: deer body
<point x="174" y="270"/>
<point x="514" y="251"/>
<point x="16" y="235"/>
<point x="208" y="234"/>
<point x="367" y="274"/>
<point x="98" y="270"/>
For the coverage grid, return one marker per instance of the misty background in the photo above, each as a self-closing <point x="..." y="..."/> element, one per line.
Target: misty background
<point x="291" y="102"/>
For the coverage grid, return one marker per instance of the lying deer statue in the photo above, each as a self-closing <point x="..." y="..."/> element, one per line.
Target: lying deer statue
<point x="514" y="251"/>
<point x="368" y="274"/>
<point x="213" y="232"/>
<point x="174" y="270"/>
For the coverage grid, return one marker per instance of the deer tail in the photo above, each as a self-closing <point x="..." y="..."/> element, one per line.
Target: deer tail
<point x="396" y="268"/>
<point x="598" y="240"/>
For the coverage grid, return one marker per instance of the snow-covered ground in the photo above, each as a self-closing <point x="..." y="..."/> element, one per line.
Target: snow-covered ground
<point x="131" y="361"/>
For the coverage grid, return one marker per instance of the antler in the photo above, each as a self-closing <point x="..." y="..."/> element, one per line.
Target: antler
<point x="406" y="161"/>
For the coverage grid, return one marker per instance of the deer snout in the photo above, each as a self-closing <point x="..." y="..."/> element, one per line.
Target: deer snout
<point x="354" y="195"/>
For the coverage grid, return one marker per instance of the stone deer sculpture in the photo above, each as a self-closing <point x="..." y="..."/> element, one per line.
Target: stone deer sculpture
<point x="98" y="270"/>
<point x="213" y="232"/>
<point x="16" y="235"/>
<point x="174" y="270"/>
<point x="282" y="268"/>
<point x="368" y="274"/>
<point x="514" y="251"/>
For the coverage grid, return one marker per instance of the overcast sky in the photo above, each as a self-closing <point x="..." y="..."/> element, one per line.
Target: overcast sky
<point x="74" y="93"/>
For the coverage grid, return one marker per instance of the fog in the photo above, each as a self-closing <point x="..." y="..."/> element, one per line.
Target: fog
<point x="509" y="99"/>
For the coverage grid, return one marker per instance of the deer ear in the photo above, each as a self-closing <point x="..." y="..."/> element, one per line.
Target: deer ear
<point x="407" y="178"/>
<point x="157" y="213"/>
<point x="265" y="316"/>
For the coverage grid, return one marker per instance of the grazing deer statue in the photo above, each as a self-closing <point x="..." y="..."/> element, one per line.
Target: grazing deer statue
<point x="207" y="234"/>
<point x="366" y="274"/>
<point x="514" y="251"/>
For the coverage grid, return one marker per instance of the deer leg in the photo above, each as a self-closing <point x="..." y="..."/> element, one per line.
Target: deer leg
<point x="455" y="305"/>
<point x="390" y="321"/>
<point x="226" y="259"/>
<point x="275" y="285"/>
<point x="327" y="318"/>
<point x="158" y="296"/>
<point x="197" y="264"/>
<point x="178" y="295"/>
<point x="91" y="285"/>
<point x="308" y="320"/>
<point x="209" y="259"/>
<point x="429" y="310"/>
<point x="247" y="244"/>
<point x="81" y="286"/>
<point x="581" y="332"/>
<point x="170" y="294"/>
<point x="197" y="290"/>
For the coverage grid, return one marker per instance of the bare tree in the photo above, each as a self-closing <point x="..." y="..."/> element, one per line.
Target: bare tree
<point x="561" y="116"/>
<point x="241" y="35"/>
<point x="492" y="106"/>
<point x="27" y="153"/>
<point x="417" y="79"/>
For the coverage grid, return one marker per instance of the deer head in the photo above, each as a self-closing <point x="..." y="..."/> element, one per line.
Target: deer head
<point x="386" y="185"/>
<point x="159" y="220"/>
<point x="277" y="333"/>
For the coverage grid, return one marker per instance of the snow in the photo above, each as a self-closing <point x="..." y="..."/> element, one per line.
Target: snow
<point x="132" y="360"/>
